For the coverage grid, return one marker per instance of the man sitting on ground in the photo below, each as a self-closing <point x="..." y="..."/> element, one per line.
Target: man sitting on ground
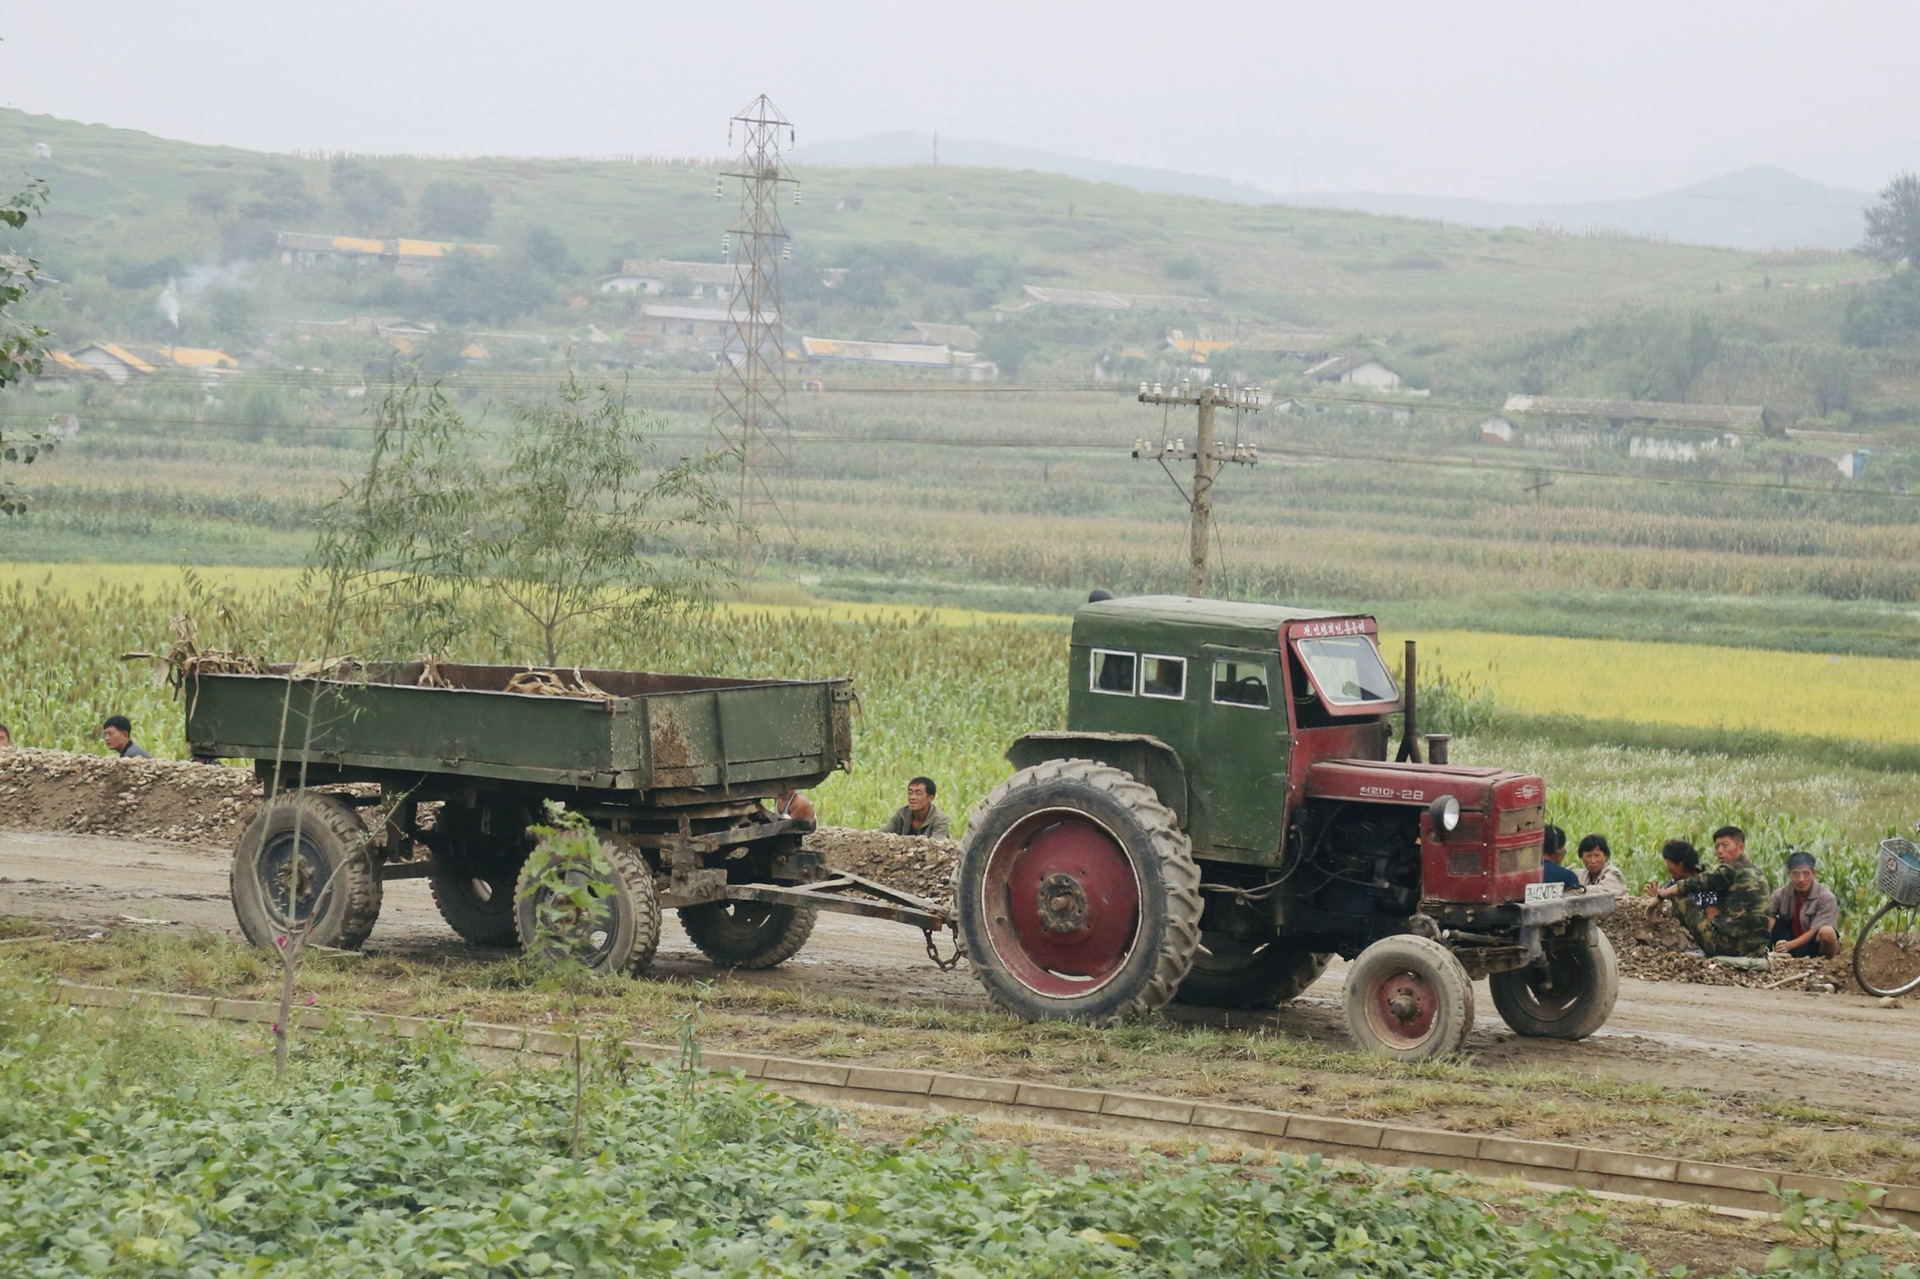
<point x="919" y="816"/>
<point x="1553" y="852"/>
<point x="1806" y="914"/>
<point x="1741" y="929"/>
<point x="1600" y="874"/>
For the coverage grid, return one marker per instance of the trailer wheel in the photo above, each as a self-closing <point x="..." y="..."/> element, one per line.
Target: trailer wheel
<point x="300" y="844"/>
<point x="1078" y="897"/>
<point x="475" y="871"/>
<point x="1409" y="998"/>
<point x="611" y="927"/>
<point x="748" y="934"/>
<point x="1230" y="973"/>
<point x="1570" y="999"/>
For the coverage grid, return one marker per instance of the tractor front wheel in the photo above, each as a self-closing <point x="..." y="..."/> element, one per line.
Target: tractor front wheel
<point x="1570" y="997"/>
<point x="1077" y="895"/>
<point x="1409" y="998"/>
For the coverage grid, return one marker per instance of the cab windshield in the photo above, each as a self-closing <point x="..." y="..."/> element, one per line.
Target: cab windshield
<point x="1347" y="670"/>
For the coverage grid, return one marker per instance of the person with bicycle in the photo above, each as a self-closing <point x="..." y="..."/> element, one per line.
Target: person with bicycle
<point x="1806" y="914"/>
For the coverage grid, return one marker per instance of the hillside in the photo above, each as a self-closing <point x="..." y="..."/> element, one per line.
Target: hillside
<point x="1758" y="208"/>
<point x="1470" y="313"/>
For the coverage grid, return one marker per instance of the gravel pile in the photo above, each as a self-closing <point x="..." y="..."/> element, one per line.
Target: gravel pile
<point x="923" y="867"/>
<point x="136" y="798"/>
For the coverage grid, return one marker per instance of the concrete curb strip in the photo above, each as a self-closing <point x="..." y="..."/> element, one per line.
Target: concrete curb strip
<point x="1547" y="1163"/>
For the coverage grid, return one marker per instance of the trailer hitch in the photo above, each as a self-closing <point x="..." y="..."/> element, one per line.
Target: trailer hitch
<point x="933" y="952"/>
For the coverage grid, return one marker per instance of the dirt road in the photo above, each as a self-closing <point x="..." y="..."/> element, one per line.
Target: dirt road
<point x="1840" y="1050"/>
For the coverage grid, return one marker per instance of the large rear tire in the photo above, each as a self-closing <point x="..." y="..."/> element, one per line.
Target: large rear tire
<point x="476" y="866"/>
<point x="1569" y="999"/>
<point x="613" y="927"/>
<point x="1077" y="896"/>
<point x="1409" y="998"/>
<point x="748" y="935"/>
<point x="1230" y="973"/>
<point x="309" y="850"/>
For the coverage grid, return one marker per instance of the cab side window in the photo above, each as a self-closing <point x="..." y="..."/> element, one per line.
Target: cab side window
<point x="1113" y="672"/>
<point x="1163" y="676"/>
<point x="1241" y="684"/>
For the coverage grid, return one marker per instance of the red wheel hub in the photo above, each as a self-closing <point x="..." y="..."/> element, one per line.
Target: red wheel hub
<point x="1062" y="903"/>
<point x="1402" y="1007"/>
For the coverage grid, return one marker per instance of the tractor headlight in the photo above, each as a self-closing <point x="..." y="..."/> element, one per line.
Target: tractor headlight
<point x="1445" y="814"/>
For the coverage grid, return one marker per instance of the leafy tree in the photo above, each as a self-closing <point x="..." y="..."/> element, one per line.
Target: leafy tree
<point x="366" y="195"/>
<point x="468" y="288"/>
<point x="280" y="195"/>
<point x="1893" y="224"/>
<point x="548" y="251"/>
<point x="574" y="534"/>
<point x="211" y="197"/>
<point x="1884" y="313"/>
<point x="21" y="343"/>
<point x="455" y="208"/>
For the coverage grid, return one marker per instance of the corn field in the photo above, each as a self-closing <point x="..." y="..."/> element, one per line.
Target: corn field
<point x="945" y="696"/>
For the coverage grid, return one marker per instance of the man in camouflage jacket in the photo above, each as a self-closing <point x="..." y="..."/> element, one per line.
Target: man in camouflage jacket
<point x="1742" y="926"/>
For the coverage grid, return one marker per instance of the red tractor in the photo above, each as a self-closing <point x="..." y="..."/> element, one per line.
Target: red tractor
<point x="1222" y="815"/>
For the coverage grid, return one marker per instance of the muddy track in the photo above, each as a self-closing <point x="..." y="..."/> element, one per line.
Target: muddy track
<point x="1844" y="1050"/>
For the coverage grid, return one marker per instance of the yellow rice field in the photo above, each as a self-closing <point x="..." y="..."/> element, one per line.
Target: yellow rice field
<point x="1875" y="699"/>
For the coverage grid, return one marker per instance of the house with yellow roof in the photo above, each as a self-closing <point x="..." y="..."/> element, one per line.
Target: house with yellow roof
<point x="401" y="255"/>
<point x="113" y="362"/>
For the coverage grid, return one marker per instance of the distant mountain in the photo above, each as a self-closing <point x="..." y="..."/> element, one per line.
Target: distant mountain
<point x="1758" y="208"/>
<point x="893" y="150"/>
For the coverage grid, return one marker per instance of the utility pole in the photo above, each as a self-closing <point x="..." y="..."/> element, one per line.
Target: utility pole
<point x="750" y="387"/>
<point x="1208" y="456"/>
<point x="1538" y="487"/>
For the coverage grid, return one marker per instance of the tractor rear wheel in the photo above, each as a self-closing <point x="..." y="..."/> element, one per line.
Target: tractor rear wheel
<point x="305" y="861"/>
<point x="748" y="934"/>
<point x="1230" y="973"/>
<point x="1076" y="894"/>
<point x="1568" y="999"/>
<point x="1409" y="998"/>
<point x="607" y="921"/>
<point x="475" y="867"/>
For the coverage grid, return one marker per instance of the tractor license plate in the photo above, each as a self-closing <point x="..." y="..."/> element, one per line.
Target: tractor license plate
<point x="1544" y="892"/>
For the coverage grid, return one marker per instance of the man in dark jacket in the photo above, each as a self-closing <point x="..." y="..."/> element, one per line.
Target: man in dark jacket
<point x="1741" y="928"/>
<point x="918" y="816"/>
<point x="117" y="732"/>
<point x="1553" y="852"/>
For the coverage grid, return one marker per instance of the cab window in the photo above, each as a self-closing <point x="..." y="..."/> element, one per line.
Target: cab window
<point x="1113" y="672"/>
<point x="1163" y="676"/>
<point x="1347" y="670"/>
<point x="1240" y="684"/>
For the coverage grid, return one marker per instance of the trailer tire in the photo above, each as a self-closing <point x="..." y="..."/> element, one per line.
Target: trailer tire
<point x="310" y="840"/>
<point x="476" y="871"/>
<point x="620" y="937"/>
<point x="1228" y="973"/>
<point x="1409" y="998"/>
<point x="750" y="935"/>
<point x="1571" y="1000"/>
<point x="1077" y="894"/>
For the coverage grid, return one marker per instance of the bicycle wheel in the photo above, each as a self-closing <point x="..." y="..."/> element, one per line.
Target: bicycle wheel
<point x="1886" y="959"/>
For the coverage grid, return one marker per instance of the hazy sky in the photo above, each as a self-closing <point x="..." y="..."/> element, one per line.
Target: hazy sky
<point x="1540" y="99"/>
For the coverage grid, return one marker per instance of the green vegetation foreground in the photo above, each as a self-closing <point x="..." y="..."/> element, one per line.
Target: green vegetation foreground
<point x="140" y="1148"/>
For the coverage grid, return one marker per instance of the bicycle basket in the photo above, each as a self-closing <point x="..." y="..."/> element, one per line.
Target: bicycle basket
<point x="1900" y="871"/>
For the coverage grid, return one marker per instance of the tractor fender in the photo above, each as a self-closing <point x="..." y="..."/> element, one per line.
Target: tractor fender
<point x="1146" y="758"/>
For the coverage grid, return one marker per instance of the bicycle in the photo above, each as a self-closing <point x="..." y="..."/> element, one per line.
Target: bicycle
<point x="1886" y="959"/>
